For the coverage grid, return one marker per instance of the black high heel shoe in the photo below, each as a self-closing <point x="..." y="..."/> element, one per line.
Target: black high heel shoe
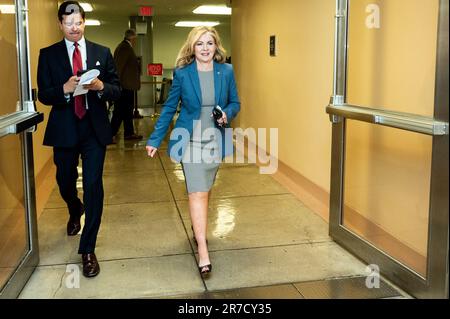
<point x="205" y="270"/>
<point x="193" y="237"/>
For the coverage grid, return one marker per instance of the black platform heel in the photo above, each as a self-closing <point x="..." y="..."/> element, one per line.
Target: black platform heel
<point x="205" y="270"/>
<point x="193" y="236"/>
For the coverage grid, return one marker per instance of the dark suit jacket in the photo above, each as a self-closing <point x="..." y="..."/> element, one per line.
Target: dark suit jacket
<point x="127" y="66"/>
<point x="53" y="71"/>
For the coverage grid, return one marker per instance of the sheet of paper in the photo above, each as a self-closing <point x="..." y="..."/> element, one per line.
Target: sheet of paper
<point x="86" y="78"/>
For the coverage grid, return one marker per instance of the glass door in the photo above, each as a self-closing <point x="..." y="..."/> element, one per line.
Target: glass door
<point x="18" y="119"/>
<point x="389" y="109"/>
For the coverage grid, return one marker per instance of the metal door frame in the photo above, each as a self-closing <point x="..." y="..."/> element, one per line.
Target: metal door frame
<point x="24" y="124"/>
<point x="435" y="285"/>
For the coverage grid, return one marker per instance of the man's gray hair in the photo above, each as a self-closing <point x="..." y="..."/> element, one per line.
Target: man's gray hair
<point x="130" y="33"/>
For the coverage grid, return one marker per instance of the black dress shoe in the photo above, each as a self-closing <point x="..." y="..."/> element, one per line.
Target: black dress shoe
<point x="74" y="224"/>
<point x="133" y="137"/>
<point x="91" y="268"/>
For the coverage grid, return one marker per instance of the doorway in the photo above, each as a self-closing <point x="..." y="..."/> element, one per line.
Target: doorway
<point x="389" y="178"/>
<point x="18" y="119"/>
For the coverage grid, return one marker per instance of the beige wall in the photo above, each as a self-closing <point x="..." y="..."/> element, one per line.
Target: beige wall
<point x="387" y="69"/>
<point x="289" y="91"/>
<point x="109" y="35"/>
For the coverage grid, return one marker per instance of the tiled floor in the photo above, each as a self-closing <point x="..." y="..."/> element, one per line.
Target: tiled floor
<point x="264" y="242"/>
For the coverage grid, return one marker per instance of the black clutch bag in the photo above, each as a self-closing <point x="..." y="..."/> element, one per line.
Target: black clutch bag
<point x="217" y="114"/>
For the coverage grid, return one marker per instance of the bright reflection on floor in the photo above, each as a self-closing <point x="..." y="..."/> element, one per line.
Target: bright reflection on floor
<point x="225" y="222"/>
<point x="82" y="224"/>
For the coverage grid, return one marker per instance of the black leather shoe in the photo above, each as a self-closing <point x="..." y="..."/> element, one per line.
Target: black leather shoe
<point x="91" y="268"/>
<point x="133" y="137"/>
<point x="74" y="224"/>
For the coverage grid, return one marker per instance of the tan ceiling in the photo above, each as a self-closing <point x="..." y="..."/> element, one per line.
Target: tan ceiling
<point x="113" y="10"/>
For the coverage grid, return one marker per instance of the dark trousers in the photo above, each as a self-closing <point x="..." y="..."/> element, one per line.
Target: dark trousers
<point x="123" y="111"/>
<point x="66" y="161"/>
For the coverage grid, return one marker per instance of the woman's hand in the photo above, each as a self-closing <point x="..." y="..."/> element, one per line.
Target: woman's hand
<point x="151" y="151"/>
<point x="223" y="120"/>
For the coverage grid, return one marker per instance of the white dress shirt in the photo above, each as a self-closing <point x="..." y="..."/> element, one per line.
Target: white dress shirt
<point x="82" y="47"/>
<point x="70" y="49"/>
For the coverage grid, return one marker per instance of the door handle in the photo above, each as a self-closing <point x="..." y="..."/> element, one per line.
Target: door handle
<point x="19" y="122"/>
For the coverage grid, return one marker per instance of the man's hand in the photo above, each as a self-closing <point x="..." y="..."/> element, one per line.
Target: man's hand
<point x="71" y="84"/>
<point x="96" y="85"/>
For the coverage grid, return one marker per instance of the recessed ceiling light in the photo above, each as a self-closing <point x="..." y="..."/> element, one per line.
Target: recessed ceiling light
<point x="87" y="7"/>
<point x="213" y="10"/>
<point x="92" y="22"/>
<point x="192" y="24"/>
<point x="7" y="9"/>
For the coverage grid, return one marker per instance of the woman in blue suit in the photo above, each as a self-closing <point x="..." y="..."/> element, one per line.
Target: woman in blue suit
<point x="202" y="81"/>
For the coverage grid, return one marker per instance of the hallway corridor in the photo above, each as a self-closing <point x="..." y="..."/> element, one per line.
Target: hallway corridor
<point x="259" y="235"/>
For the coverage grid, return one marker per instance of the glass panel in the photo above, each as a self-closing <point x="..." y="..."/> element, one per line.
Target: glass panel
<point x="392" y="54"/>
<point x="387" y="190"/>
<point x="13" y="231"/>
<point x="9" y="89"/>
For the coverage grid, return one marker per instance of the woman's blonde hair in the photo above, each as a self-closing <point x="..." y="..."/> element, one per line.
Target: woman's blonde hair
<point x="187" y="52"/>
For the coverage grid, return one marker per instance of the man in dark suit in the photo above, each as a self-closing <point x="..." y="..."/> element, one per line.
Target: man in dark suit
<point x="78" y="125"/>
<point x="129" y="73"/>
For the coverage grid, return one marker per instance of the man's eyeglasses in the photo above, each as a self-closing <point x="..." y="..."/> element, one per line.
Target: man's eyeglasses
<point x="71" y="24"/>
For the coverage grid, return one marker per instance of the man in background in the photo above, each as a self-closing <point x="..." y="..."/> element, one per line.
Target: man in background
<point x="129" y="73"/>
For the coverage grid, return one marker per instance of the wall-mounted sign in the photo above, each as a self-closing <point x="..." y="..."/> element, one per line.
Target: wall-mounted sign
<point x="272" y="45"/>
<point x="154" y="69"/>
<point x="145" y="11"/>
<point x="141" y="27"/>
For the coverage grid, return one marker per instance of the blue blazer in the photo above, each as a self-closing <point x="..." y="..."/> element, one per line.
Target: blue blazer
<point x="186" y="88"/>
